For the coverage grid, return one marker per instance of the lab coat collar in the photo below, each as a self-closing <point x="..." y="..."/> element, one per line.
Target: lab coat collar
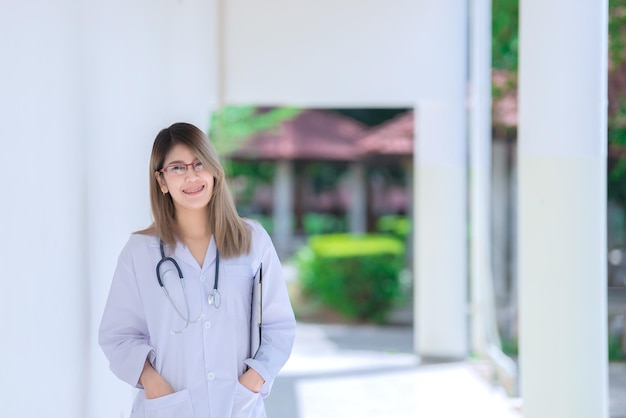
<point x="182" y="253"/>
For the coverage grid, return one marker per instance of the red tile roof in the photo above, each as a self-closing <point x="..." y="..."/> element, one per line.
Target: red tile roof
<point x="391" y="138"/>
<point x="323" y="135"/>
<point x="504" y="108"/>
<point x="312" y="135"/>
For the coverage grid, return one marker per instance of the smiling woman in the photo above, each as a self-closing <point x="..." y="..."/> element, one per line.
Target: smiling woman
<point x="183" y="335"/>
<point x="176" y="146"/>
<point x="189" y="189"/>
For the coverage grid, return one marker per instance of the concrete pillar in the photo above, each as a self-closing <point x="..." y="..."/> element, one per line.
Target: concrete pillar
<point x="440" y="231"/>
<point x="283" y="206"/>
<point x="562" y="208"/>
<point x="440" y="192"/>
<point x="44" y="289"/>
<point x="504" y="238"/>
<point x="358" y="199"/>
<point x="483" y="329"/>
<point x="500" y="221"/>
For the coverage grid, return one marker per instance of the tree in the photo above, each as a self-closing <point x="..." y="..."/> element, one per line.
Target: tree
<point x="504" y="29"/>
<point x="616" y="177"/>
<point x="233" y="124"/>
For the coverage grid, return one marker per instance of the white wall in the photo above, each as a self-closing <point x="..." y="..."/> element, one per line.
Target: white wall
<point x="332" y="53"/>
<point x="42" y="293"/>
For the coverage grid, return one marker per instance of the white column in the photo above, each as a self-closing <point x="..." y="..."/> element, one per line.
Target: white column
<point x="44" y="290"/>
<point x="500" y="220"/>
<point x="440" y="194"/>
<point x="562" y="208"/>
<point x="483" y="329"/>
<point x="358" y="199"/>
<point x="485" y="339"/>
<point x="440" y="232"/>
<point x="479" y="170"/>
<point x="283" y="206"/>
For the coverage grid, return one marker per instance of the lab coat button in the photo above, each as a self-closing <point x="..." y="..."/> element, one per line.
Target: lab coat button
<point x="202" y="277"/>
<point x="207" y="324"/>
<point x="210" y="376"/>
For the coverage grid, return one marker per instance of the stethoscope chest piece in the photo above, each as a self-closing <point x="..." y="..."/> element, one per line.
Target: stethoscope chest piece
<point x="215" y="298"/>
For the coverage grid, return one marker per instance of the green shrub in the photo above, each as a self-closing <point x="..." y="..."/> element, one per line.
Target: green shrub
<point x="355" y="274"/>
<point x="396" y="225"/>
<point x="510" y="347"/>
<point x="616" y="351"/>
<point x="322" y="223"/>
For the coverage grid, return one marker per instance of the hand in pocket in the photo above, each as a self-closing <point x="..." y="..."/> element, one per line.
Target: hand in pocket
<point x="176" y="405"/>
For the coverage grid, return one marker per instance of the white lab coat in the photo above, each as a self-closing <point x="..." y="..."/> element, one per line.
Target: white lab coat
<point x="203" y="363"/>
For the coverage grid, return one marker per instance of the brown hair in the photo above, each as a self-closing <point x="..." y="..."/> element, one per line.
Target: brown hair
<point x="230" y="232"/>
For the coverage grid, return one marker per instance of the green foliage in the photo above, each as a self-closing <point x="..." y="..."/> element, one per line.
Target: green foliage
<point x="347" y="245"/>
<point x="371" y="116"/>
<point x="233" y="124"/>
<point x="616" y="351"/>
<point x="357" y="275"/>
<point x="616" y="178"/>
<point x="510" y="347"/>
<point x="398" y="226"/>
<point x="505" y="26"/>
<point x="324" y="175"/>
<point x="617" y="25"/>
<point x="246" y="176"/>
<point x="262" y="171"/>
<point x="322" y="223"/>
<point x="504" y="29"/>
<point x="504" y="46"/>
<point x="616" y="182"/>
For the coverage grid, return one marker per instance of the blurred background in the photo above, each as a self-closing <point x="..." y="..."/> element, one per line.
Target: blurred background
<point x="415" y="208"/>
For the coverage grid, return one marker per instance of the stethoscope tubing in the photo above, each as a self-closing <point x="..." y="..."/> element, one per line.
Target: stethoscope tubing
<point x="180" y="272"/>
<point x="214" y="298"/>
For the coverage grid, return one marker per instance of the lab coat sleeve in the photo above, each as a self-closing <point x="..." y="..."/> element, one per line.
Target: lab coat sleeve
<point x="123" y="334"/>
<point x="279" y="324"/>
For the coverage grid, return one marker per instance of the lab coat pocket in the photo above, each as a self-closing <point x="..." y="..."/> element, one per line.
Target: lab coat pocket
<point x="238" y="290"/>
<point x="246" y="404"/>
<point x="176" y="405"/>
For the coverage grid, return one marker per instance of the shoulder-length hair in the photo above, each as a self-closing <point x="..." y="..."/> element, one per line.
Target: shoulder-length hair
<point x="230" y="232"/>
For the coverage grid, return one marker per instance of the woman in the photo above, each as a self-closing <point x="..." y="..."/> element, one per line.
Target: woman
<point x="185" y="342"/>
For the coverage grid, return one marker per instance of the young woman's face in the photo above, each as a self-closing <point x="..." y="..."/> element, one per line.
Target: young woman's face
<point x="185" y="179"/>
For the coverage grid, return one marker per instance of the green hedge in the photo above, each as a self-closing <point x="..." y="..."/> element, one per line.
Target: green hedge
<point x="355" y="274"/>
<point x="396" y="225"/>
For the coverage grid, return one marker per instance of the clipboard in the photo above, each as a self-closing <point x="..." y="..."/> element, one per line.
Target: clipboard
<point x="256" y="312"/>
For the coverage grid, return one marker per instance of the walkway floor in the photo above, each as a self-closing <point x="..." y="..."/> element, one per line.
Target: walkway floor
<point x="341" y="371"/>
<point x="368" y="371"/>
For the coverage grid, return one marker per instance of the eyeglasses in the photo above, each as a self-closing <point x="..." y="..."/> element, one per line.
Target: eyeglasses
<point x="181" y="168"/>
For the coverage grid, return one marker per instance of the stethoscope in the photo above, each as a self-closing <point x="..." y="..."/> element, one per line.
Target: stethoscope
<point x="215" y="299"/>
